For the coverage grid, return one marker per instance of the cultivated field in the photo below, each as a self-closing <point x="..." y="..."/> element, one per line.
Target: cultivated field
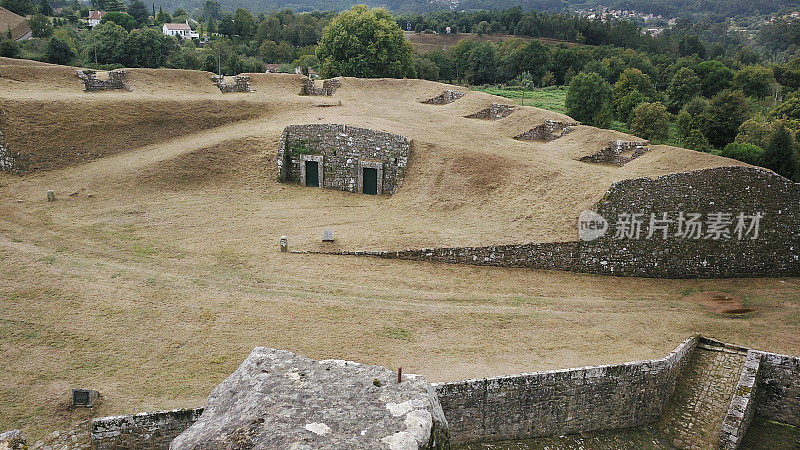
<point x="155" y="288"/>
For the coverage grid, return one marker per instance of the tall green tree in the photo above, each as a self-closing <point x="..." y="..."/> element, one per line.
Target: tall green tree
<point x="58" y="51"/>
<point x="780" y="155"/>
<point x="714" y="77"/>
<point x="754" y="81"/>
<point x="138" y="10"/>
<point x="685" y="85"/>
<point x="244" y="24"/>
<point x="589" y="99"/>
<point x="365" y="43"/>
<point x="726" y="112"/>
<point x="483" y="64"/>
<point x="45" y="8"/>
<point x="40" y="26"/>
<point x="651" y="121"/>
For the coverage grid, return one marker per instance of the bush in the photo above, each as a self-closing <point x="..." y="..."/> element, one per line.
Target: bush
<point x="749" y="153"/>
<point x="651" y="121"/>
<point x="9" y="48"/>
<point x="58" y="51"/>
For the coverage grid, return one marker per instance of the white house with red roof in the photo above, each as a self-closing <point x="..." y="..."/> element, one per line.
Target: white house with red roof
<point x="181" y="30"/>
<point x="94" y="18"/>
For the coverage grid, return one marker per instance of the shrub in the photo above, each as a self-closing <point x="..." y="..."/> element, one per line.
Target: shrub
<point x="749" y="153"/>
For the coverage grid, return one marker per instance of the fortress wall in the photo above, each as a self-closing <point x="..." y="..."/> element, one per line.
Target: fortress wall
<point x="743" y="404"/>
<point x="145" y="431"/>
<point x="344" y="149"/>
<point x="778" y="388"/>
<point x="729" y="191"/>
<point x="560" y="402"/>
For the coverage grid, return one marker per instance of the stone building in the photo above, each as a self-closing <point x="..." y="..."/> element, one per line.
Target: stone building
<point x="343" y="157"/>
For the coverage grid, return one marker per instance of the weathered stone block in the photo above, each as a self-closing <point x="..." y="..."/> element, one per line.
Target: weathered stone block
<point x="277" y="399"/>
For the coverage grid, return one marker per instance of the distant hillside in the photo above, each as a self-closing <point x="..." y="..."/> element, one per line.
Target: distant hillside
<point x="668" y="8"/>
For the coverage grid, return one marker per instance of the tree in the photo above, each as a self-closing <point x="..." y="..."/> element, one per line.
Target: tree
<point x="365" y="43"/>
<point x="482" y="64"/>
<point x="780" y="155"/>
<point x="212" y="9"/>
<point x="754" y="81"/>
<point x="534" y="60"/>
<point x="755" y="131"/>
<point x="651" y="121"/>
<point x="9" y="48"/>
<point x="697" y="141"/>
<point x="21" y="7"/>
<point x="714" y="77"/>
<point x="749" y="153"/>
<point x="107" y="44"/>
<point x="628" y="103"/>
<point x="633" y="80"/>
<point x="149" y="48"/>
<point x="684" y="125"/>
<point x="40" y="26"/>
<point x="426" y="69"/>
<point x="589" y="99"/>
<point x="58" y="51"/>
<point x="243" y="23"/>
<point x="138" y="10"/>
<point x="120" y="18"/>
<point x="45" y="8"/>
<point x="725" y="113"/>
<point x="685" y="85"/>
<point x="691" y="45"/>
<point x="226" y="26"/>
<point x="789" y="110"/>
<point x="114" y="5"/>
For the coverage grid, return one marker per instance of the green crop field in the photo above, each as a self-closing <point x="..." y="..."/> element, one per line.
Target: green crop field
<point x="550" y="98"/>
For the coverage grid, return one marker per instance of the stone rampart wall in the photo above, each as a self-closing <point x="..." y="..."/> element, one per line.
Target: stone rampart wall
<point x="116" y="80"/>
<point x="7" y="160"/>
<point x="778" y="388"/>
<point x="561" y="402"/>
<point x="550" y="130"/>
<point x="495" y="111"/>
<point x="725" y="191"/>
<point x="344" y="150"/>
<point x="743" y="404"/>
<point x="448" y="96"/>
<point x="614" y="153"/>
<point x="143" y="431"/>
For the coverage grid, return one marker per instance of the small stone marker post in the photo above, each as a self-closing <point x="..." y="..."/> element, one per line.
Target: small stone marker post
<point x="84" y="397"/>
<point x="284" y="244"/>
<point x="51" y="196"/>
<point x="327" y="236"/>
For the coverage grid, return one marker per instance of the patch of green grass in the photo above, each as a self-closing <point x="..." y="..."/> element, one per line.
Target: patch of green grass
<point x="402" y="334"/>
<point x="550" y="98"/>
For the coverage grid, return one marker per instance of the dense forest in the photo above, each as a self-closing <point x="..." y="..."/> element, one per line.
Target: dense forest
<point x="696" y="85"/>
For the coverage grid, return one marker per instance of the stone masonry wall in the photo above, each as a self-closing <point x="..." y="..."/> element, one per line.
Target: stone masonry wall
<point x="444" y="98"/>
<point x="613" y="153"/>
<point x="328" y="87"/>
<point x="241" y="83"/>
<point x="743" y="404"/>
<point x="495" y="111"/>
<point x="343" y="150"/>
<point x="561" y="402"/>
<point x="7" y="163"/>
<point x="116" y="80"/>
<point x="145" y="431"/>
<point x="778" y="388"/>
<point x="550" y="130"/>
<point x="728" y="191"/>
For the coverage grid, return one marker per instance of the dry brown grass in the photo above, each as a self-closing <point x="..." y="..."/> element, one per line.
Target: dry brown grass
<point x="155" y="288"/>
